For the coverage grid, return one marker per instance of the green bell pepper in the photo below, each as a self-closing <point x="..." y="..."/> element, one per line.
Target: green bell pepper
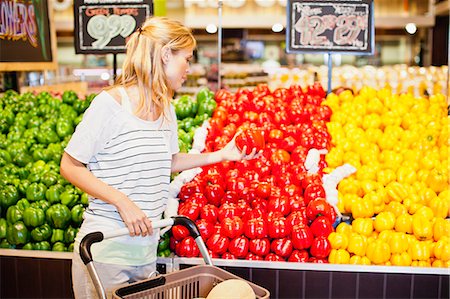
<point x="69" y="97"/>
<point x="28" y="246"/>
<point x="14" y="214"/>
<point x="8" y="196"/>
<point x="22" y="159"/>
<point x="64" y="127"/>
<point x="58" y="216"/>
<point x="69" y="234"/>
<point x="164" y="253"/>
<point x="33" y="217"/>
<point x="23" y="186"/>
<point x="47" y="136"/>
<point x="17" y="233"/>
<point x="84" y="199"/>
<point x="70" y="247"/>
<point x="41" y="204"/>
<point x="57" y="236"/>
<point x="36" y="191"/>
<point x="6" y="245"/>
<point x="41" y="233"/>
<point x="204" y="94"/>
<point x="200" y="118"/>
<point x="207" y="107"/>
<point x="43" y="245"/>
<point x="185" y="106"/>
<point x="23" y="204"/>
<point x="3" y="227"/>
<point x="59" y="246"/>
<point x="49" y="178"/>
<point x="53" y="193"/>
<point x="69" y="198"/>
<point x="77" y="214"/>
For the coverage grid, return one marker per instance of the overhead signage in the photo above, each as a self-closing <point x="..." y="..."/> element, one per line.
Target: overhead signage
<point x="345" y="26"/>
<point x="102" y="26"/>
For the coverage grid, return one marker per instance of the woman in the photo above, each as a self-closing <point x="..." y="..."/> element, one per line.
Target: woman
<point x="123" y="151"/>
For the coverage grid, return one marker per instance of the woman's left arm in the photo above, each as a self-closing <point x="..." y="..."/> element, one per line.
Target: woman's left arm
<point x="183" y="161"/>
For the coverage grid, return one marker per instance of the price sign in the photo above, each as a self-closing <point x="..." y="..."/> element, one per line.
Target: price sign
<point x="330" y="26"/>
<point x="102" y="26"/>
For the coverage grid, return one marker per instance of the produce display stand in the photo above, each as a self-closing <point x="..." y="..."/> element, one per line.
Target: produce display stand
<point x="47" y="274"/>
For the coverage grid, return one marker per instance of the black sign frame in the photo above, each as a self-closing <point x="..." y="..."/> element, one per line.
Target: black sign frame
<point x="317" y="8"/>
<point x="124" y="16"/>
<point x="31" y="45"/>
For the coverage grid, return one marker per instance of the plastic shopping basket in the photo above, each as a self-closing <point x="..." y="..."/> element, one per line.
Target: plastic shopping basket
<point x="193" y="282"/>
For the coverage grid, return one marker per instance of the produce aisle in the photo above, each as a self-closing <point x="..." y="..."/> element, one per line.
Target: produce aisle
<point x="272" y="220"/>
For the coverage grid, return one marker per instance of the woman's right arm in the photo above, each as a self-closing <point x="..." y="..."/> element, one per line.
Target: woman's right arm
<point x="77" y="173"/>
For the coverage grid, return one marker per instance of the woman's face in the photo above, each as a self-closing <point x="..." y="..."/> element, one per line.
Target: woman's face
<point x="176" y="67"/>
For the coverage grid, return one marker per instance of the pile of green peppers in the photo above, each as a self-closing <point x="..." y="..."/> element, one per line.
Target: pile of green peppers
<point x="191" y="113"/>
<point x="39" y="209"/>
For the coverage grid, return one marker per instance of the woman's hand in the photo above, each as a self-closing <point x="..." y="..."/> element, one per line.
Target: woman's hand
<point x="135" y="219"/>
<point x="230" y="152"/>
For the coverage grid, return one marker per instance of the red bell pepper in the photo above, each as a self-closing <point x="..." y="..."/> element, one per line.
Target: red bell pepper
<point x="278" y="228"/>
<point x="320" y="207"/>
<point x="321" y="226"/>
<point x="256" y="228"/>
<point x="187" y="248"/>
<point x="179" y="232"/>
<point x="299" y="256"/>
<point x="218" y="243"/>
<point x="259" y="247"/>
<point x="214" y="193"/>
<point x="239" y="246"/>
<point x="282" y="247"/>
<point x="209" y="213"/>
<point x="232" y="227"/>
<point x="205" y="227"/>
<point x="301" y="236"/>
<point x="320" y="247"/>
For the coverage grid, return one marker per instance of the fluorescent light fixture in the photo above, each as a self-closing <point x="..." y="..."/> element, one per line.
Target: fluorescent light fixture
<point x="105" y="76"/>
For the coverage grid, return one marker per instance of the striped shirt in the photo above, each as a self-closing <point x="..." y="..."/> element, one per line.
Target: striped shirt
<point x="133" y="156"/>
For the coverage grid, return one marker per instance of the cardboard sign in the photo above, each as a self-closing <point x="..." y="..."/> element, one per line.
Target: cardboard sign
<point x="343" y="26"/>
<point x="27" y="37"/>
<point x="102" y="26"/>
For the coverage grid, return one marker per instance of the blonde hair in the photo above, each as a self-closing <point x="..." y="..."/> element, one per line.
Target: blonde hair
<point x="143" y="64"/>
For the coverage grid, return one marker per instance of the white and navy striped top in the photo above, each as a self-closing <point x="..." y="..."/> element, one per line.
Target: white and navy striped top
<point x="129" y="154"/>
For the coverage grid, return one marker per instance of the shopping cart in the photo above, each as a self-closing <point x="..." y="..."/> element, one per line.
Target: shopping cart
<point x="193" y="282"/>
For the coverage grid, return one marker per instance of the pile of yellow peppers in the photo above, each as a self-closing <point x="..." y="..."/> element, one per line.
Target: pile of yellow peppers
<point x="399" y="197"/>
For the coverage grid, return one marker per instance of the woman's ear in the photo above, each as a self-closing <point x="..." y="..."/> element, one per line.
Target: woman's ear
<point x="165" y="54"/>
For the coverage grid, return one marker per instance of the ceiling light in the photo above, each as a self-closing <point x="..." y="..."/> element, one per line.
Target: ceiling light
<point x="277" y="27"/>
<point x="211" y="28"/>
<point x="411" y="28"/>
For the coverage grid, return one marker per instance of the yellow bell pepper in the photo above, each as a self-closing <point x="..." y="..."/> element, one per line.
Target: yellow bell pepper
<point x="396" y="191"/>
<point x="403" y="223"/>
<point x="446" y="195"/>
<point x="344" y="228"/>
<point x="384" y="235"/>
<point x="422" y="228"/>
<point x="397" y="208"/>
<point x="398" y="242"/>
<point x="406" y="175"/>
<point x="426" y="195"/>
<point x="378" y="252"/>
<point x="338" y="240"/>
<point x="357" y="244"/>
<point x="441" y="228"/>
<point x="437" y="180"/>
<point x="386" y="176"/>
<point x="363" y="226"/>
<point x="419" y="251"/>
<point x="350" y="186"/>
<point x="349" y="199"/>
<point x="339" y="256"/>
<point x="442" y="250"/>
<point x="425" y="264"/>
<point x="440" y="264"/>
<point x="401" y="259"/>
<point x="362" y="208"/>
<point x="359" y="260"/>
<point x="439" y="206"/>
<point x="426" y="212"/>
<point x="384" y="221"/>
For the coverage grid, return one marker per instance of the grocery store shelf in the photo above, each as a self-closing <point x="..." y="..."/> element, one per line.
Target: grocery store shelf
<point x="442" y="8"/>
<point x="36" y="254"/>
<point x="313" y="266"/>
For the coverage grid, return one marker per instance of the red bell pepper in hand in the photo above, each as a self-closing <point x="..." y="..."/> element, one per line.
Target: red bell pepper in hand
<point x="239" y="246"/>
<point x="320" y="247"/>
<point x="251" y="139"/>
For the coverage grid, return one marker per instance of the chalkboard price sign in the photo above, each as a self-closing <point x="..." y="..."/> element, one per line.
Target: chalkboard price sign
<point x="330" y="26"/>
<point x="102" y="26"/>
